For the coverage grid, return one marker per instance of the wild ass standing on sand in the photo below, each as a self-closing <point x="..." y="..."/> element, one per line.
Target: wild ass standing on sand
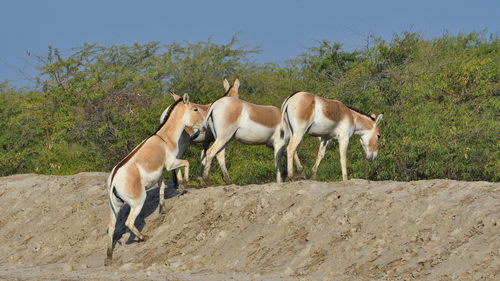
<point x="305" y="113"/>
<point x="205" y="138"/>
<point x="248" y="123"/>
<point x="143" y="167"/>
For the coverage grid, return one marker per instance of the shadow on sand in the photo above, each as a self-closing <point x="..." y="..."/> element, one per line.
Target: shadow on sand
<point x="150" y="206"/>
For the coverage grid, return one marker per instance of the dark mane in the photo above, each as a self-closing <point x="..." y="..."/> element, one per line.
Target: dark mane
<point x="361" y="112"/>
<point x="225" y="95"/>
<point x="171" y="108"/>
<point x="227" y="92"/>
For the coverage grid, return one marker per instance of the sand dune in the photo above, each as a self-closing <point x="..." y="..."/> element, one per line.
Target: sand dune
<point x="54" y="227"/>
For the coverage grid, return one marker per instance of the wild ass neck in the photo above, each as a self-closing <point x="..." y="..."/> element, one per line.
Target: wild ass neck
<point x="171" y="130"/>
<point x="361" y="122"/>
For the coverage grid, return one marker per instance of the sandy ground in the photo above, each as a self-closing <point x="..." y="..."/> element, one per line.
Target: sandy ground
<point x="54" y="227"/>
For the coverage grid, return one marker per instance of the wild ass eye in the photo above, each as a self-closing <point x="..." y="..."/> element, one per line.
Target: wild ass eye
<point x="195" y="110"/>
<point x="378" y="136"/>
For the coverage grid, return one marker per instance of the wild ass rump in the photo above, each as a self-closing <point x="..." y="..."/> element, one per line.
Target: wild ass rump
<point x="143" y="167"/>
<point x="328" y="119"/>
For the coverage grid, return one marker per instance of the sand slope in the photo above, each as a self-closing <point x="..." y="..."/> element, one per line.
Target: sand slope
<point x="54" y="227"/>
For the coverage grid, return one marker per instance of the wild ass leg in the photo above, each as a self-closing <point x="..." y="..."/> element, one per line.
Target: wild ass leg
<point x="185" y="163"/>
<point x="111" y="232"/>
<point x="278" y="154"/>
<point x="134" y="212"/>
<point x="291" y="151"/>
<point x="216" y="147"/>
<point x="221" y="157"/>
<point x="162" y="207"/>
<point x="182" y="145"/>
<point x="343" y="143"/>
<point x="204" y="149"/>
<point x="176" y="177"/>
<point x="300" y="168"/>
<point x="323" y="144"/>
<point x="111" y="228"/>
<point x="177" y="164"/>
<point x="181" y="180"/>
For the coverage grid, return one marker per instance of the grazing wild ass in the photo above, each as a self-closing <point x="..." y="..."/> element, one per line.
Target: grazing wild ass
<point x="143" y="167"/>
<point x="248" y="123"/>
<point x="205" y="138"/>
<point x="327" y="119"/>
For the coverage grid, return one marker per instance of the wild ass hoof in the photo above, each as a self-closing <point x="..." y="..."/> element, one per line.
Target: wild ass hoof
<point x="182" y="187"/>
<point x="163" y="209"/>
<point x="201" y="184"/>
<point x="207" y="181"/>
<point x="302" y="175"/>
<point x="228" y="181"/>
<point x="145" y="238"/>
<point x="108" y="261"/>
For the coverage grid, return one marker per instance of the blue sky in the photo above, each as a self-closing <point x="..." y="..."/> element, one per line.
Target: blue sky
<point x="283" y="29"/>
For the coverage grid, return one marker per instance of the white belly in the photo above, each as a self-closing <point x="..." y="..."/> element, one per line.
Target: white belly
<point x="255" y="134"/>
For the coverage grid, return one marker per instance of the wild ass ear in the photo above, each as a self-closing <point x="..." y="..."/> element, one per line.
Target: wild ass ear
<point x="226" y="84"/>
<point x="186" y="98"/>
<point x="234" y="90"/>
<point x="175" y="96"/>
<point x="379" y="118"/>
<point x="237" y="83"/>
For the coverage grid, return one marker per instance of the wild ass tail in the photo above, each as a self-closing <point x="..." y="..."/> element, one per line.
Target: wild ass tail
<point x="285" y="122"/>
<point x="110" y="188"/>
<point x="210" y="119"/>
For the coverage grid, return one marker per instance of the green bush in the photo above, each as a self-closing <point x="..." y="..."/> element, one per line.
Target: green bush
<point x="440" y="98"/>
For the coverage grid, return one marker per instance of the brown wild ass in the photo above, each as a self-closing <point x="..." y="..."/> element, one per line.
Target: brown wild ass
<point x="143" y="167"/>
<point x="327" y="119"/>
<point x="248" y="123"/>
<point x="205" y="138"/>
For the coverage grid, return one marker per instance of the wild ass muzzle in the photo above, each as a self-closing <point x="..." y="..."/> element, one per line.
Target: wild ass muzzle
<point x="328" y="119"/>
<point x="204" y="138"/>
<point x="143" y="167"/>
<point x="248" y="123"/>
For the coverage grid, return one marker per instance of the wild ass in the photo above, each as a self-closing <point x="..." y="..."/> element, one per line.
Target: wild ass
<point x="205" y="138"/>
<point x="248" y="123"/>
<point x="143" y="167"/>
<point x="327" y="119"/>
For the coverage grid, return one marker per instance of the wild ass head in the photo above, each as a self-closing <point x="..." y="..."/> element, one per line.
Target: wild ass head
<point x="192" y="117"/>
<point x="369" y="137"/>
<point x="194" y="120"/>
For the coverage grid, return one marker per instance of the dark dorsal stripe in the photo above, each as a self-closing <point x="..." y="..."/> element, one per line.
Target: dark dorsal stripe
<point x="129" y="156"/>
<point x="361" y="112"/>
<point x="126" y="159"/>
<point x="208" y="109"/>
<point x="225" y="95"/>
<point x="289" y="98"/>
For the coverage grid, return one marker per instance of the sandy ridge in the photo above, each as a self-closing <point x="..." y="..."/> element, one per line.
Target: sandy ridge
<point x="54" y="227"/>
